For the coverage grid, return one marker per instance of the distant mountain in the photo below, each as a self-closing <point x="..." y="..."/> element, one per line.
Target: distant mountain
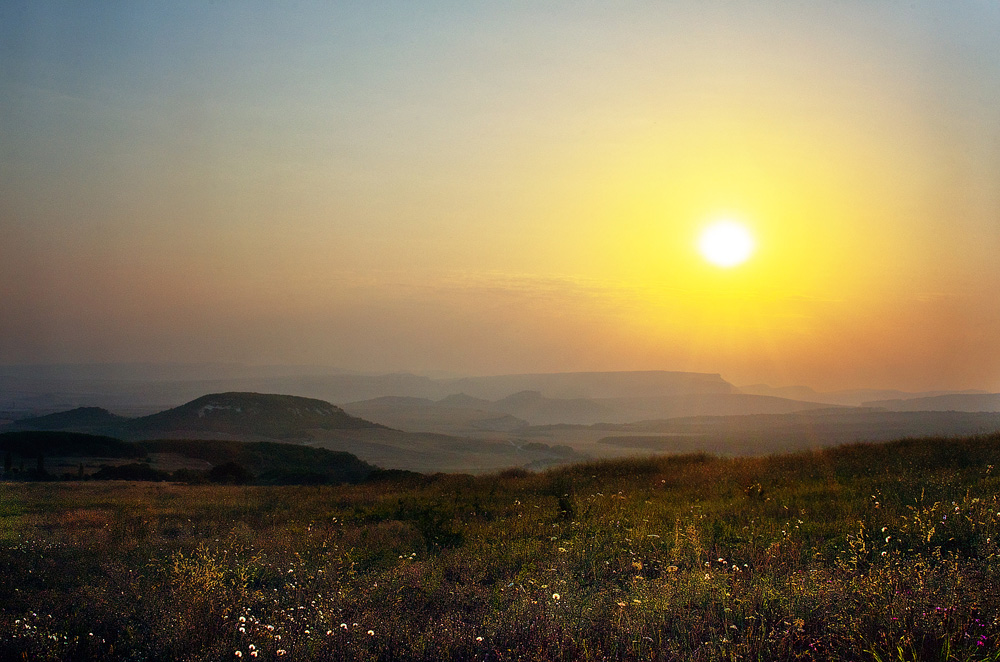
<point x="792" y="392"/>
<point x="81" y="418"/>
<point x="145" y="388"/>
<point x="850" y="397"/>
<point x="704" y="404"/>
<point x="247" y="415"/>
<point x="454" y="414"/>
<point x="539" y="410"/>
<point x="951" y="402"/>
<point x="466" y="415"/>
<point x="570" y="385"/>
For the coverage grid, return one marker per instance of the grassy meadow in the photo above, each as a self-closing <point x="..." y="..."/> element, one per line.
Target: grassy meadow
<point x="864" y="552"/>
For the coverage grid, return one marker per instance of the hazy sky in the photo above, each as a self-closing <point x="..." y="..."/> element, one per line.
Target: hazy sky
<point x="498" y="187"/>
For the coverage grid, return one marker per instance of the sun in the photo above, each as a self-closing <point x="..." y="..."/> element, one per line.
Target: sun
<point x="726" y="244"/>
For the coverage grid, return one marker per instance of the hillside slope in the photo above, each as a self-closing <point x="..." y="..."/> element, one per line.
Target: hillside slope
<point x="246" y="415"/>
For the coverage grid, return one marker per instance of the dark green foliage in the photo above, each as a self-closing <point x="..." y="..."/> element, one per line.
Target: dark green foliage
<point x="81" y="417"/>
<point x="230" y="473"/>
<point x="276" y="463"/>
<point x="73" y="444"/>
<point x="134" y="471"/>
<point x="397" y="477"/>
<point x="190" y="476"/>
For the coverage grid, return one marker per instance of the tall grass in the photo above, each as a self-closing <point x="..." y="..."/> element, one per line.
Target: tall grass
<point x="879" y="552"/>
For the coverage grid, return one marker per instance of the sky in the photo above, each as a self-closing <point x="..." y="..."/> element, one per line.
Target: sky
<point x="505" y="187"/>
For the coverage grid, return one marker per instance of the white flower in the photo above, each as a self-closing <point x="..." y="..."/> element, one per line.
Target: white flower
<point x="371" y="633"/>
<point x="556" y="596"/>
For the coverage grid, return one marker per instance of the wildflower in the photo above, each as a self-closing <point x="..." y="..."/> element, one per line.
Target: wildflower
<point x="479" y="638"/>
<point x="251" y="647"/>
<point x="281" y="651"/>
<point x="238" y="653"/>
<point x="329" y="632"/>
<point x="621" y="604"/>
<point x="343" y="626"/>
<point x="253" y="653"/>
<point x="556" y="596"/>
<point x="371" y="633"/>
<point x="243" y="619"/>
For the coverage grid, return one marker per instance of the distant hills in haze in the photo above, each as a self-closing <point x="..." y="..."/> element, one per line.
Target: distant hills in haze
<point x="140" y="386"/>
<point x="946" y="402"/>
<point x="848" y="398"/>
<point x="476" y="424"/>
<point x="462" y="413"/>
<point x="144" y="388"/>
<point x="216" y="416"/>
<point x="261" y="417"/>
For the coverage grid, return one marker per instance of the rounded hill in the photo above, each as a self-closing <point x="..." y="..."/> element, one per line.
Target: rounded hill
<point x="250" y="415"/>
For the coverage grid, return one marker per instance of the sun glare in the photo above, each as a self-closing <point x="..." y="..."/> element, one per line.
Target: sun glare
<point x="726" y="244"/>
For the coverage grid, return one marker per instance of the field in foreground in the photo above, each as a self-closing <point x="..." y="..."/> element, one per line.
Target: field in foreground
<point x="879" y="552"/>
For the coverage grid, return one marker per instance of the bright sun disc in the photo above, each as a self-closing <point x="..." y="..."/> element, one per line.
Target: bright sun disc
<point x="726" y="244"/>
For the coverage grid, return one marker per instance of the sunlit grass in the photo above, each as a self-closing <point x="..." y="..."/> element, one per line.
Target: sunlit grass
<point x="866" y="552"/>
